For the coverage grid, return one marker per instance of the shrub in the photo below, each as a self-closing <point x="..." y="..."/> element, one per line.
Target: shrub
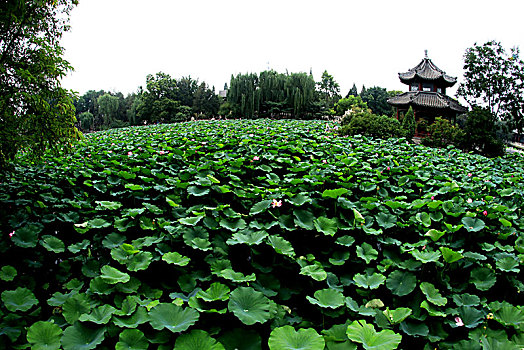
<point x="480" y="133"/>
<point x="443" y="133"/>
<point x="408" y="124"/>
<point x="367" y="124"/>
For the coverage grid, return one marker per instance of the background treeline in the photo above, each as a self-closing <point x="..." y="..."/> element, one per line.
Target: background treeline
<point x="268" y="94"/>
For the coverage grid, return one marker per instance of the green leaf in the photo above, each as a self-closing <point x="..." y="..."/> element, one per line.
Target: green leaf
<point x="111" y="275"/>
<point x="281" y="246"/>
<point x="191" y="221"/>
<point x="386" y="220"/>
<point x="108" y="205"/>
<point x="74" y="307"/>
<point x="304" y="219"/>
<point x="27" y="236"/>
<point x="397" y="315"/>
<point x="197" y="340"/>
<point x="334" y="193"/>
<point x="432" y="310"/>
<point x="423" y="218"/>
<point x="249" y="305"/>
<point x="244" y="339"/>
<point x="414" y="329"/>
<point x="197" y="191"/>
<point x="361" y="332"/>
<point x="326" y="226"/>
<point x="286" y="338"/>
<point x="466" y="299"/>
<point x="358" y="217"/>
<point x="248" y="237"/>
<point x="140" y="316"/>
<point x="449" y="255"/>
<point x="432" y="294"/>
<point x="367" y="252"/>
<point x="300" y="199"/>
<point x="44" y="336"/>
<point x="434" y="234"/>
<point x="20" y="299"/>
<point x="470" y="316"/>
<point x="237" y="277"/>
<point x="426" y="256"/>
<point x="172" y="317"/>
<point x="233" y="225"/>
<point x="98" y="223"/>
<point x="8" y="273"/>
<point x="260" y="207"/>
<point x="473" y="224"/>
<point x="369" y="281"/>
<point x="80" y="337"/>
<point x="327" y="298"/>
<point x="217" y="291"/>
<point x="176" y="259"/>
<point x="99" y="315"/>
<point x="483" y="278"/>
<point x="508" y="264"/>
<point x="401" y="283"/>
<point x="315" y="271"/>
<point x="52" y="244"/>
<point x="132" y="339"/>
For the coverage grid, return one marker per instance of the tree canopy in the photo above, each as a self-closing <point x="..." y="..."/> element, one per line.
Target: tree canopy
<point x="36" y="113"/>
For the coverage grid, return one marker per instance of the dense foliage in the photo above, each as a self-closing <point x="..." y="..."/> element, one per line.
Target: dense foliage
<point x="249" y="234"/>
<point x="36" y="113"/>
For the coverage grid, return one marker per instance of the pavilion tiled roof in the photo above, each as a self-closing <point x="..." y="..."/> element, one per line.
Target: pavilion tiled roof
<point x="427" y="99"/>
<point x="427" y="70"/>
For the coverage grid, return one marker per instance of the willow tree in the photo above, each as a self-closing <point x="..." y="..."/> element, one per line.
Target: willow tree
<point x="36" y="113"/>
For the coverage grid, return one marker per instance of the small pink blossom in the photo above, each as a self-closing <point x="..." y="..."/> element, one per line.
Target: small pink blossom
<point x="485" y="213"/>
<point x="161" y="152"/>
<point x="256" y="158"/>
<point x="432" y="198"/>
<point x="12" y="234"/>
<point x="470" y="200"/>
<point x="458" y="322"/>
<point x="129" y="153"/>
<point x="470" y="175"/>
<point x="388" y="168"/>
<point x="324" y="161"/>
<point x="276" y="203"/>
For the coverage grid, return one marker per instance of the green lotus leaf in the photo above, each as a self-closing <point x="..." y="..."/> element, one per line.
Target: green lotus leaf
<point x="249" y="305"/>
<point x="358" y="217"/>
<point x="510" y="315"/>
<point x="423" y="218"/>
<point x="326" y="226"/>
<point x="172" y="317"/>
<point x="466" y="299"/>
<point x="197" y="191"/>
<point x="346" y="241"/>
<point x="20" y="299"/>
<point x="304" y="219"/>
<point x="327" y="298"/>
<point x="237" y="277"/>
<point x="99" y="315"/>
<point x="197" y="340"/>
<point x="111" y="275"/>
<point x="8" y="273"/>
<point x="138" y="317"/>
<point x="401" y="283"/>
<point x="300" y="199"/>
<point x="470" y="316"/>
<point x="414" y="329"/>
<point x="191" y="221"/>
<point x="80" y="337"/>
<point x="101" y="205"/>
<point x="397" y="315"/>
<point x="139" y="261"/>
<point x="98" y="223"/>
<point x="44" y="336"/>
<point x="52" y="244"/>
<point x="98" y="286"/>
<point x="74" y="307"/>
<point x="386" y="220"/>
<point x="233" y="225"/>
<point x="369" y="281"/>
<point x="367" y="252"/>
<point x="449" y="255"/>
<point x="432" y="294"/>
<point x="315" y="271"/>
<point x="434" y="234"/>
<point x="176" y="259"/>
<point x="27" y="236"/>
<point x="217" y="291"/>
<point x="281" y="246"/>
<point x="287" y="338"/>
<point x="361" y="332"/>
<point x="432" y="310"/>
<point x="483" y="278"/>
<point x="426" y="256"/>
<point x="473" y="224"/>
<point x="508" y="264"/>
<point x="260" y="207"/>
<point x="132" y="339"/>
<point x="248" y="237"/>
<point x="335" y="193"/>
<point x="245" y="339"/>
<point x="339" y="258"/>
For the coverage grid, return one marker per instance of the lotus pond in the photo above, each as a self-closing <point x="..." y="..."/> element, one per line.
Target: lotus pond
<point x="261" y="234"/>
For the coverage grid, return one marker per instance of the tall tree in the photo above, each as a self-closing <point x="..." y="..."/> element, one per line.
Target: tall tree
<point x="377" y="100"/>
<point x="353" y="91"/>
<point x="328" y="90"/>
<point x="108" y="107"/>
<point x="159" y="102"/>
<point x="36" y="113"/>
<point x="494" y="78"/>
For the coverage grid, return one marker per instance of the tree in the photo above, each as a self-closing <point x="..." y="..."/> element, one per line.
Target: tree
<point x="328" y="90"/>
<point x="480" y="133"/>
<point x="36" y="113"/>
<point x="346" y="104"/>
<point x="353" y="91"/>
<point x="494" y="78"/>
<point x="108" y="107"/>
<point x="377" y="100"/>
<point x="159" y="103"/>
<point x="408" y="123"/>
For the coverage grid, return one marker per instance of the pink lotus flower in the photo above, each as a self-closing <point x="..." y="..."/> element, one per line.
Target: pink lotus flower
<point x="256" y="158"/>
<point x="388" y="168"/>
<point x="458" y="322"/>
<point x="129" y="153"/>
<point x="276" y="203"/>
<point x="470" y="200"/>
<point x="485" y="212"/>
<point x="432" y="197"/>
<point x="12" y="234"/>
<point x="324" y="161"/>
<point x="470" y="175"/>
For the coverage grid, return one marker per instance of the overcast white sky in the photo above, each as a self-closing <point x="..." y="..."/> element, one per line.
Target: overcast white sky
<point x="114" y="44"/>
